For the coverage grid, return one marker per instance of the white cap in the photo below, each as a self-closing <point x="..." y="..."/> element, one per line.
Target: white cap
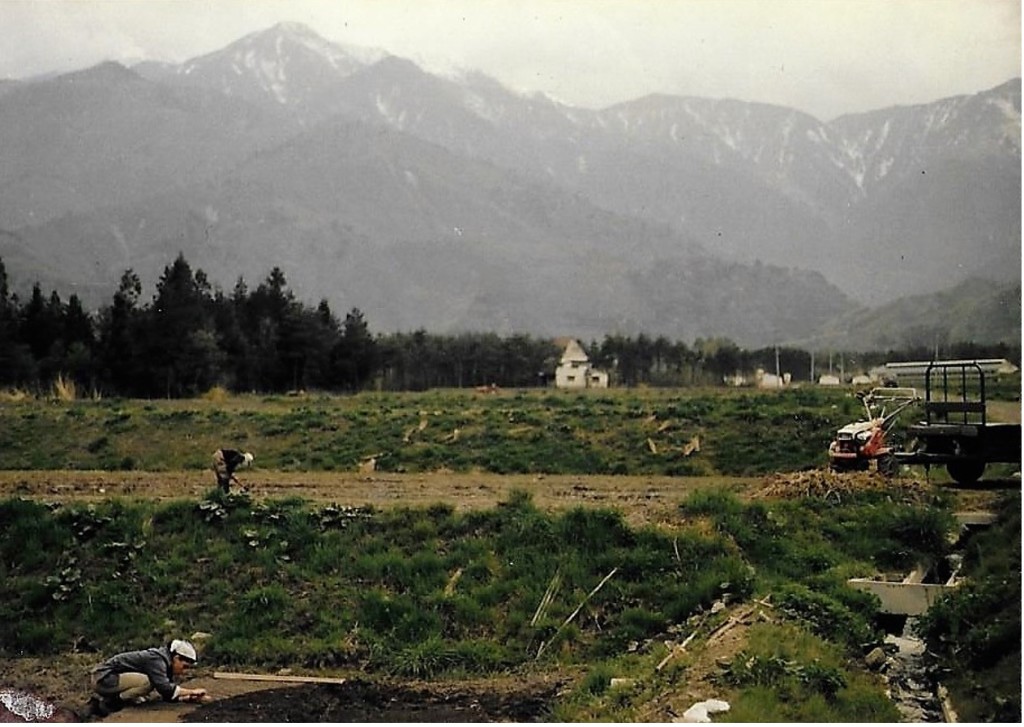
<point x="184" y="649"/>
<point x="247" y="457"/>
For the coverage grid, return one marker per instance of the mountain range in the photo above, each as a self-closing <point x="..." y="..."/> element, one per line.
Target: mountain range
<point x="453" y="204"/>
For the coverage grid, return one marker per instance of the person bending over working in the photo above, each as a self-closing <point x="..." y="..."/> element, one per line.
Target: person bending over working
<point x="225" y="462"/>
<point x="129" y="677"/>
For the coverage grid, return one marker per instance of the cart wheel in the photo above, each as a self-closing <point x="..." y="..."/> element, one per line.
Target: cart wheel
<point x="965" y="472"/>
<point x="888" y="466"/>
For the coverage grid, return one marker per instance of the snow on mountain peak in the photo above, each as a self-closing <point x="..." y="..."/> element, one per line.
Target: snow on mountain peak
<point x="280" y="62"/>
<point x="339" y="55"/>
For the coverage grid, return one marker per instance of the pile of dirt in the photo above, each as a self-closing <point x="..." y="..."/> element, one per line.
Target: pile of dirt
<point x="826" y="484"/>
<point x="363" y="701"/>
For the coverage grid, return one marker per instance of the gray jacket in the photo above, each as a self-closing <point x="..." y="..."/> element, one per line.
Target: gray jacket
<point x="155" y="663"/>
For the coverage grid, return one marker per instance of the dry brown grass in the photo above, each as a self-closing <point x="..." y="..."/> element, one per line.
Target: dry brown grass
<point x="14" y="395"/>
<point x="217" y="395"/>
<point x="64" y="388"/>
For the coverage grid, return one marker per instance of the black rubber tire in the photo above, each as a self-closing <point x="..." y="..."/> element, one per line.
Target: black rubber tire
<point x="966" y="472"/>
<point x="888" y="466"/>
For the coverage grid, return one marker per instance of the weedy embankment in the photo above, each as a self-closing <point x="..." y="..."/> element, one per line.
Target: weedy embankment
<point x="753" y="582"/>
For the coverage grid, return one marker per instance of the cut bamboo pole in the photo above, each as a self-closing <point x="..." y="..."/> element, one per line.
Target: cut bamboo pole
<point x="589" y="596"/>
<point x="675" y="650"/>
<point x="578" y="609"/>
<point x="681" y="647"/>
<point x="241" y="676"/>
<point x="549" y="594"/>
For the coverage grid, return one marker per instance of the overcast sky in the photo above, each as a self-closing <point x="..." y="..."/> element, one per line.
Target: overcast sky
<point x="825" y="57"/>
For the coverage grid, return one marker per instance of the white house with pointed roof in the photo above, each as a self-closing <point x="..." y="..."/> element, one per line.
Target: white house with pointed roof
<point x="575" y="371"/>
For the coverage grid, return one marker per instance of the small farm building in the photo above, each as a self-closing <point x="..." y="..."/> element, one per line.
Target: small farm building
<point x="766" y="380"/>
<point x="575" y="371"/>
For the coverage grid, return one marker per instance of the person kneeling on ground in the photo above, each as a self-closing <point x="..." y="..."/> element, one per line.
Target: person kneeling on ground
<point x="129" y="677"/>
<point x="225" y="462"/>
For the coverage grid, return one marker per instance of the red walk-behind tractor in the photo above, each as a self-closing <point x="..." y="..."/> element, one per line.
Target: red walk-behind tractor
<point x="859" y="444"/>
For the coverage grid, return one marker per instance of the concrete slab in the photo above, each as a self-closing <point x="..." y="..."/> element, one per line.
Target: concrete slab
<point x="975" y="518"/>
<point x="903" y="599"/>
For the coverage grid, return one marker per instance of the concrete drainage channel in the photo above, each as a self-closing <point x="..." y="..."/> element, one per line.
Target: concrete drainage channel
<point x="910" y="686"/>
<point x="916" y="694"/>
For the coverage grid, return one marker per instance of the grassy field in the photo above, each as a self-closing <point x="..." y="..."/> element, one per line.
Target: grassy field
<point x="426" y="589"/>
<point x="611" y="432"/>
<point x="625" y="432"/>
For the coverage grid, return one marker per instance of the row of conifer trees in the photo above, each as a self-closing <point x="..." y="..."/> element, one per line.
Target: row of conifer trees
<point x="192" y="336"/>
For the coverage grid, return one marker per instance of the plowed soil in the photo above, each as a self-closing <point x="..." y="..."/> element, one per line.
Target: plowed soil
<point x="363" y="701"/>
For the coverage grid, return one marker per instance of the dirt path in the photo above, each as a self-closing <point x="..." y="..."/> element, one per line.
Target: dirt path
<point x="642" y="498"/>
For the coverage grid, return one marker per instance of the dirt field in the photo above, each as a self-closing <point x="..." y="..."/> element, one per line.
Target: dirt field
<point x="643" y="500"/>
<point x="357" y="700"/>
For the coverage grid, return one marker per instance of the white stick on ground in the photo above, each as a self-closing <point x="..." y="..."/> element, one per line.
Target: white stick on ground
<point x="578" y="608"/>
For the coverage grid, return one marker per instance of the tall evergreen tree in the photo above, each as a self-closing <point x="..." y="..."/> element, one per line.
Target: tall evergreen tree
<point x="41" y="322"/>
<point x="265" y="322"/>
<point x="356" y="356"/>
<point x="79" y="342"/>
<point x="228" y="316"/>
<point x="119" y="338"/>
<point x="182" y="345"/>
<point x="16" y="365"/>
